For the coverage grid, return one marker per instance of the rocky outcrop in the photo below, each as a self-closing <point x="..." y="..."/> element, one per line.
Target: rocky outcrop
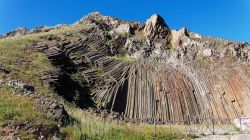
<point x="97" y="17"/>
<point x="147" y="73"/>
<point x="52" y="109"/>
<point x="156" y="27"/>
<point x="18" y="32"/>
<point x="41" y="132"/>
<point x="189" y="46"/>
<point x="25" y="88"/>
<point x="179" y="36"/>
<point x="123" y="28"/>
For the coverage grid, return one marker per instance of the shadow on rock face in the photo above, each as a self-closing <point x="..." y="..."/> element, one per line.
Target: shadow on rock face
<point x="72" y="91"/>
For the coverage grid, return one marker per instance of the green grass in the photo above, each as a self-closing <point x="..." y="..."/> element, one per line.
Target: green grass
<point x="16" y="109"/>
<point x="25" y="63"/>
<point x="60" y="30"/>
<point x="100" y="72"/>
<point x="122" y="58"/>
<point x="90" y="127"/>
<point x="170" y="47"/>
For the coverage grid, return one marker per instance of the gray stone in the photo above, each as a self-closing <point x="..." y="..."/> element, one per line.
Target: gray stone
<point x="156" y="27"/>
<point x="52" y="109"/>
<point x="123" y="28"/>
<point x="207" y="52"/>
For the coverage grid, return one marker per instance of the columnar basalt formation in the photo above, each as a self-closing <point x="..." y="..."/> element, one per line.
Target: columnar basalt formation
<point x="148" y="73"/>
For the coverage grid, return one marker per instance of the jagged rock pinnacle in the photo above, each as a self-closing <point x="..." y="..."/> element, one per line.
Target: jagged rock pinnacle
<point x="156" y="26"/>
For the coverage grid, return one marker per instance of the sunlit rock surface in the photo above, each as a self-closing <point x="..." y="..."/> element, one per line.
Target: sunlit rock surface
<point x="148" y="73"/>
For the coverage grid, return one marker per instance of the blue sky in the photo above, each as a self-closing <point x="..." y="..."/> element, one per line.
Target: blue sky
<point x="228" y="19"/>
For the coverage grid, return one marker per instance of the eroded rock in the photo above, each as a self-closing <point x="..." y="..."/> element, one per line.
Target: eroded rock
<point x="123" y="28"/>
<point x="17" y="32"/>
<point x="97" y="17"/>
<point x="156" y="27"/>
<point x="191" y="78"/>
<point x="207" y="52"/>
<point x="52" y="109"/>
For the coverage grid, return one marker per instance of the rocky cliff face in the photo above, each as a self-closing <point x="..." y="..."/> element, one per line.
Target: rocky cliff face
<point x="147" y="72"/>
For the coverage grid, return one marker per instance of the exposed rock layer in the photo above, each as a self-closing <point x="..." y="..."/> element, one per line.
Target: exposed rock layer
<point x="162" y="75"/>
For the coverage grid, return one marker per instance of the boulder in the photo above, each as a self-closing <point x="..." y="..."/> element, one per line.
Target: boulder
<point x="207" y="52"/>
<point x="28" y="89"/>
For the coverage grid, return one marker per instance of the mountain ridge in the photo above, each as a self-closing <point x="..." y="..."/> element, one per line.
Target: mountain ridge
<point x="45" y="28"/>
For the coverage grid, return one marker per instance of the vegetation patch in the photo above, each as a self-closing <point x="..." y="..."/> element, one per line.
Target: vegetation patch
<point x="122" y="58"/>
<point x="16" y="109"/>
<point x="86" y="126"/>
<point x="24" y="63"/>
<point x="170" y="47"/>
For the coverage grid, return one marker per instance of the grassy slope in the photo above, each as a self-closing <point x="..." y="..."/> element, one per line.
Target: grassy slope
<point x="25" y="65"/>
<point x="16" y="109"/>
<point x="28" y="65"/>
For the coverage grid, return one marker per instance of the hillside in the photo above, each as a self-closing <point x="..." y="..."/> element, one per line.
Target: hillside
<point x="69" y="80"/>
